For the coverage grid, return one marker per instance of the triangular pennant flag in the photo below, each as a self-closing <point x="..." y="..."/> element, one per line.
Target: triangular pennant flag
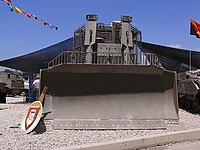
<point x="37" y="18"/>
<point x="46" y="23"/>
<point x="10" y="7"/>
<point x="50" y="26"/>
<point x="27" y="14"/>
<point x="7" y="1"/>
<point x="56" y="27"/>
<point x="24" y="12"/>
<point x="17" y="10"/>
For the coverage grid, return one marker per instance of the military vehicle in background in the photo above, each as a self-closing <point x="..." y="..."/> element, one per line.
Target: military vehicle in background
<point x="188" y="90"/>
<point x="11" y="84"/>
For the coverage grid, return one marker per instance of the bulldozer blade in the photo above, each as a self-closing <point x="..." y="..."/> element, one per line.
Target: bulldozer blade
<point x="113" y="96"/>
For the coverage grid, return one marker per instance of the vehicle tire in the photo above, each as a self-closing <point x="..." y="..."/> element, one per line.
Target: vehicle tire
<point x="2" y="97"/>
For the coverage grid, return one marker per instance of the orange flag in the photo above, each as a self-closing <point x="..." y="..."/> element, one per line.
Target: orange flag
<point x="194" y="28"/>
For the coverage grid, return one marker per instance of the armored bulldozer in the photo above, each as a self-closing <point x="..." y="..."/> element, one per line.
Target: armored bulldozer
<point x="188" y="90"/>
<point x="106" y="82"/>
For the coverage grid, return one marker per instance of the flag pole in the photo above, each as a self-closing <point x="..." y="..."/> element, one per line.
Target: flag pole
<point x="194" y="30"/>
<point x="190" y="57"/>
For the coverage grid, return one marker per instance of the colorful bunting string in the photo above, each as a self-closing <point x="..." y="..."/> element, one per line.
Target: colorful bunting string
<point x="9" y="1"/>
<point x="19" y="11"/>
<point x="10" y="7"/>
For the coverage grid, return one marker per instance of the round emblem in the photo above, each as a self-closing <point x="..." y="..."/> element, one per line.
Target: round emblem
<point x="32" y="117"/>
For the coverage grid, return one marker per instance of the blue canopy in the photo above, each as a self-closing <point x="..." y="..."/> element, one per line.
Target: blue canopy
<point x="170" y="58"/>
<point x="173" y="58"/>
<point x="35" y="61"/>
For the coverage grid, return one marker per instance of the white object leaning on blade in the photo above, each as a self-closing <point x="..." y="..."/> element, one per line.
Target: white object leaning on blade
<point x="32" y="117"/>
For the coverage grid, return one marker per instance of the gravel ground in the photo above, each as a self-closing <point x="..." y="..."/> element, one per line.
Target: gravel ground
<point x="12" y="137"/>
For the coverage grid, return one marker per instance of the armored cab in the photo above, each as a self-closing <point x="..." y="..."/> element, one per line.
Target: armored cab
<point x="106" y="82"/>
<point x="188" y="90"/>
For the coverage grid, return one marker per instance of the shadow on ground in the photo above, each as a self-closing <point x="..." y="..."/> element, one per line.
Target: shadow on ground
<point x="41" y="127"/>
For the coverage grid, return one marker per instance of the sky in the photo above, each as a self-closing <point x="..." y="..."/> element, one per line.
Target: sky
<point x="163" y="22"/>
